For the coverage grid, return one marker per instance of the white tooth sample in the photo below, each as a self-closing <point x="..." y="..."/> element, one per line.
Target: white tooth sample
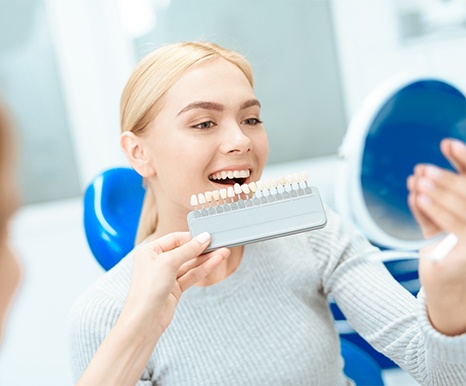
<point x="260" y="185"/>
<point x="230" y="174"/>
<point x="237" y="188"/>
<point x="194" y="201"/>
<point x="282" y="180"/>
<point x="224" y="175"/>
<point x="289" y="179"/>
<point x="267" y="184"/>
<point x="216" y="195"/>
<point x="304" y="176"/>
<point x="245" y="189"/>
<point x="208" y="196"/>
<point x="252" y="186"/>
<point x="236" y="174"/>
<point x="297" y="177"/>
<point x="274" y="182"/>
<point x="201" y="198"/>
<point x="231" y="192"/>
<point x="223" y="193"/>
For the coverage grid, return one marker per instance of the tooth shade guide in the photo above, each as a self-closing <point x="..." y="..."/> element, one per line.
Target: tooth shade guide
<point x="259" y="185"/>
<point x="223" y="194"/>
<point x="208" y="196"/>
<point x="230" y="192"/>
<point x="268" y="184"/>
<point x="237" y="189"/>
<point x="259" y="192"/>
<point x="216" y="195"/>
<point x="201" y="199"/>
<point x="259" y="218"/>
<point x="194" y="201"/>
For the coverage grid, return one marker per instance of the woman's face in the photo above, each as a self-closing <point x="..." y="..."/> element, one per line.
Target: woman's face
<point x="209" y="127"/>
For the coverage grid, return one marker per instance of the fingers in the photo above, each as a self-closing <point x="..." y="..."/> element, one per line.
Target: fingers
<point x="187" y="251"/>
<point x="195" y="262"/>
<point x="183" y="258"/>
<point x="199" y="272"/>
<point x="438" y="198"/>
<point x="455" y="152"/>
<point x="444" y="218"/>
<point x="428" y="227"/>
<point x="168" y="242"/>
<point x="178" y="247"/>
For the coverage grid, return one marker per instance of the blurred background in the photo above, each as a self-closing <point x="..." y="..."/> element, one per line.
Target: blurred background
<point x="64" y="63"/>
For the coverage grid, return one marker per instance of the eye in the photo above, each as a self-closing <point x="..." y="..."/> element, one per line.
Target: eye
<point x="204" y="125"/>
<point x="252" y="121"/>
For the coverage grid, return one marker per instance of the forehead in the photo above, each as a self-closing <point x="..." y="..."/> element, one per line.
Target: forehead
<point x="210" y="81"/>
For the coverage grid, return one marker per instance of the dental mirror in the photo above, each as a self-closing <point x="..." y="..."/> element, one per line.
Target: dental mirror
<point x="399" y="125"/>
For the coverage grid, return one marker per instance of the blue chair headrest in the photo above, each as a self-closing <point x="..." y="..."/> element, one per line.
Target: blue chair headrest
<point x="112" y="207"/>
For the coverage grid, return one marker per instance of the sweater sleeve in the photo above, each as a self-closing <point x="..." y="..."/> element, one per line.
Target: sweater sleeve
<point x="92" y="318"/>
<point x="383" y="312"/>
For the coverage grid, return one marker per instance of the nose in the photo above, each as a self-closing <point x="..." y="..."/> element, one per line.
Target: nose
<point x="236" y="140"/>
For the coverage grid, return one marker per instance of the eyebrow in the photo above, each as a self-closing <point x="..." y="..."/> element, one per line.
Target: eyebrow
<point x="217" y="106"/>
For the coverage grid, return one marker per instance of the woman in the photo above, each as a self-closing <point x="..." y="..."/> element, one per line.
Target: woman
<point x="189" y="115"/>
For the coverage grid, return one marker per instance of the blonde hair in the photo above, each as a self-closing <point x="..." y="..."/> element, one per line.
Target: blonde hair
<point x="144" y="96"/>
<point x="8" y="190"/>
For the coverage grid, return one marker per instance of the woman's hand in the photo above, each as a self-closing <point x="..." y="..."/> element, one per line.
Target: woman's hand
<point x="438" y="201"/>
<point x="163" y="269"/>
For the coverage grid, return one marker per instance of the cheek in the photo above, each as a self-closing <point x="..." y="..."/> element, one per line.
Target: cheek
<point x="261" y="144"/>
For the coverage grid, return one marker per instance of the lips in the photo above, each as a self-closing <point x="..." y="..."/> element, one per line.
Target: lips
<point x="230" y="177"/>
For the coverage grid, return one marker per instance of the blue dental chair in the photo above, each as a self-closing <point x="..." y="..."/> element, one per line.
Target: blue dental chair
<point x="112" y="206"/>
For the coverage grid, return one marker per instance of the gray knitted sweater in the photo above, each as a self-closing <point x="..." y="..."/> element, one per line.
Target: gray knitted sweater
<point x="269" y="322"/>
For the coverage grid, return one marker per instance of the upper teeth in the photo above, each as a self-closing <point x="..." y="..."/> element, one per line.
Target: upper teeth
<point x="223" y="175"/>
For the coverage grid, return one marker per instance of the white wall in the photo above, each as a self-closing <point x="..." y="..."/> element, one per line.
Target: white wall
<point x="95" y="59"/>
<point x="370" y="50"/>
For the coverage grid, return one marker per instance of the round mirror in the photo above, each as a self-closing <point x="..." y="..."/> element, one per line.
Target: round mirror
<point x="400" y="125"/>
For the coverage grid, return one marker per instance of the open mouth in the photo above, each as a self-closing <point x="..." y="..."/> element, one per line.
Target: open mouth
<point x="230" y="177"/>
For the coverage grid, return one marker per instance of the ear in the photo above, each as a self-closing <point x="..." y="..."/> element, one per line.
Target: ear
<point x="137" y="155"/>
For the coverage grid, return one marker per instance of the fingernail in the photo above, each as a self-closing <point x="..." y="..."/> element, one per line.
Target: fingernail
<point x="203" y="237"/>
<point x="458" y="146"/>
<point x="424" y="200"/>
<point x="426" y="184"/>
<point x="432" y="171"/>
